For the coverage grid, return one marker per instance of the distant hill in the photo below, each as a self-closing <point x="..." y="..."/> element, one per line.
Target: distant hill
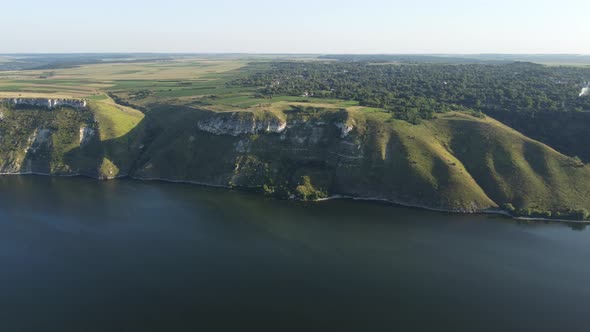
<point x="69" y="60"/>
<point x="565" y="59"/>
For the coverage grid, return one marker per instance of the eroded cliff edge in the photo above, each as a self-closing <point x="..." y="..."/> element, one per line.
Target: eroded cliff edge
<point x="45" y="102"/>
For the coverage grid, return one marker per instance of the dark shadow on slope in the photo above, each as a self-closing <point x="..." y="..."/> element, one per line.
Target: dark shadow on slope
<point x="490" y="164"/>
<point x="566" y="132"/>
<point x="45" y="135"/>
<point x="38" y="154"/>
<point x="86" y="159"/>
<point x="128" y="152"/>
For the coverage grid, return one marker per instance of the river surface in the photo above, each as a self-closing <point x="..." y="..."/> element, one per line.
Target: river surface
<point x="83" y="255"/>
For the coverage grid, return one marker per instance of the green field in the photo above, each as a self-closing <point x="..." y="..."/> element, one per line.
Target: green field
<point x="88" y="80"/>
<point x="196" y="82"/>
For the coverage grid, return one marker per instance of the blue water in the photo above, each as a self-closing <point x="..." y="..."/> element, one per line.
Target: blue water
<point x="83" y="255"/>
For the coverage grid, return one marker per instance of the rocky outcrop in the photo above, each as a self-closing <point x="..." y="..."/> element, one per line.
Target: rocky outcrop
<point x="39" y="139"/>
<point x="86" y="134"/>
<point x="345" y="128"/>
<point x="241" y="123"/>
<point x="47" y="102"/>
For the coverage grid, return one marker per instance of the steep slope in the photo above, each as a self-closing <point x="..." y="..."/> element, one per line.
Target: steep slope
<point x="567" y="132"/>
<point x="315" y="154"/>
<point x="456" y="162"/>
<point x="512" y="168"/>
<point x="67" y="139"/>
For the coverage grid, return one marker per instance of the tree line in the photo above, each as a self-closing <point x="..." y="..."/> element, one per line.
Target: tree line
<point x="424" y="89"/>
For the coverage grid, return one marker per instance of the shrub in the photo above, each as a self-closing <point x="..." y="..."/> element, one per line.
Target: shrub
<point x="508" y="207"/>
<point x="581" y="214"/>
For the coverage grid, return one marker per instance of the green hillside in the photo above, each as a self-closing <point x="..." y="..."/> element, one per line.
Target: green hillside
<point x="66" y="141"/>
<point x="512" y="168"/>
<point x="415" y="134"/>
<point x="455" y="162"/>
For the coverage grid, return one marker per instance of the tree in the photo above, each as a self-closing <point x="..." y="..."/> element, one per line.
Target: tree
<point x="581" y="214"/>
<point x="508" y="207"/>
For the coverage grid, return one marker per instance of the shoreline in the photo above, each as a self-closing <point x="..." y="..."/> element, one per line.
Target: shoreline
<point x="333" y="197"/>
<point x="423" y="207"/>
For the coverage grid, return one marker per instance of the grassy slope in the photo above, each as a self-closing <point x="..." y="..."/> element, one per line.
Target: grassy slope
<point x="115" y="123"/>
<point x="62" y="153"/>
<point x="461" y="161"/>
<point x="416" y="160"/>
<point x="456" y="161"/>
<point x="114" y="120"/>
<point x="512" y="168"/>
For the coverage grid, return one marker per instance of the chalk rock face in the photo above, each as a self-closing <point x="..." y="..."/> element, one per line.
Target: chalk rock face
<point x="86" y="134"/>
<point x="39" y="139"/>
<point x="241" y="123"/>
<point x="47" y="102"/>
<point x="345" y="128"/>
<point x="585" y="92"/>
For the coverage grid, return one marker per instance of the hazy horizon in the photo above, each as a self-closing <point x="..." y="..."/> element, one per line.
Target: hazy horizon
<point x="306" y="27"/>
<point x="300" y="53"/>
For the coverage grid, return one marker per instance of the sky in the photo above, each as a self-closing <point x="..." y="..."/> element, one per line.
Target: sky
<point x="296" y="26"/>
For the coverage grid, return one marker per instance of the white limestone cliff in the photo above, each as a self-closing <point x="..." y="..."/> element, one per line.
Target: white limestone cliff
<point x="241" y="123"/>
<point x="47" y="102"/>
